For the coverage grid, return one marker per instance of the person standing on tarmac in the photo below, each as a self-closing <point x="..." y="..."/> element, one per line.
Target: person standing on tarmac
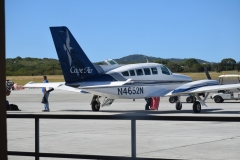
<point x="9" y="86"/>
<point x="46" y="94"/>
<point x="148" y="104"/>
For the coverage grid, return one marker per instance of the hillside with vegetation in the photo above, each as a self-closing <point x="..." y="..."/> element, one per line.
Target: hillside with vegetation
<point x="32" y="66"/>
<point x="139" y="58"/>
<point x="36" y="66"/>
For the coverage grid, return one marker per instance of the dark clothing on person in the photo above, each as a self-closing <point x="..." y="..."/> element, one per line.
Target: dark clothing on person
<point x="7" y="103"/>
<point x="46" y="95"/>
<point x="148" y="104"/>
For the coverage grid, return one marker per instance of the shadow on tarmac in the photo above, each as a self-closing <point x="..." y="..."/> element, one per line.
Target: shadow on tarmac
<point x="230" y="102"/>
<point x="151" y="112"/>
<point x="215" y="102"/>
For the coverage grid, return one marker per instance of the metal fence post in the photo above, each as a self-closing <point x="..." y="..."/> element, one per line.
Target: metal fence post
<point x="36" y="138"/>
<point x="3" y="113"/>
<point x="133" y="137"/>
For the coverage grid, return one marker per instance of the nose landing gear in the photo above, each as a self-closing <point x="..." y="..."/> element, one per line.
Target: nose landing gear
<point x="178" y="105"/>
<point x="197" y="102"/>
<point x="95" y="103"/>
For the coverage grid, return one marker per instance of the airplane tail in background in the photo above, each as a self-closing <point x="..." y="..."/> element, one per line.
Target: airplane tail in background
<point x="207" y="73"/>
<point x="75" y="64"/>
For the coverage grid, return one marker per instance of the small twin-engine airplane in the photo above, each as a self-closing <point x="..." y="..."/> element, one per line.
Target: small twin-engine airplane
<point x="114" y="81"/>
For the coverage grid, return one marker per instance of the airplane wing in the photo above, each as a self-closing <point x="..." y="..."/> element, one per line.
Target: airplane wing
<point x="55" y="85"/>
<point x="201" y="87"/>
<point x="89" y="85"/>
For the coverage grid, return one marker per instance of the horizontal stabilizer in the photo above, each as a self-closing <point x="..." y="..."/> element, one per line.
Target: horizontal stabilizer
<point x="40" y="85"/>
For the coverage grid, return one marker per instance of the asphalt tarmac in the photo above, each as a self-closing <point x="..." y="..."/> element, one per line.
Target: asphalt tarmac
<point x="155" y="139"/>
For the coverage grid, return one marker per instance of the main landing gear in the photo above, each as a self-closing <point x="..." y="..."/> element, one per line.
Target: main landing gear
<point x="95" y="103"/>
<point x="191" y="99"/>
<point x="196" y="100"/>
<point x="178" y="105"/>
<point x="176" y="99"/>
<point x="196" y="107"/>
<point x="173" y="99"/>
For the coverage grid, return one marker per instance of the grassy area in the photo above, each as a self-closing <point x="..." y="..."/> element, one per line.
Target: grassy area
<point x="21" y="80"/>
<point x="214" y="75"/>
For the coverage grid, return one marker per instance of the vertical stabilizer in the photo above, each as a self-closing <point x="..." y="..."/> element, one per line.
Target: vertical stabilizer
<point x="75" y="64"/>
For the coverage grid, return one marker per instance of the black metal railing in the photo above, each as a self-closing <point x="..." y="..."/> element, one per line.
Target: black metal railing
<point x="133" y="119"/>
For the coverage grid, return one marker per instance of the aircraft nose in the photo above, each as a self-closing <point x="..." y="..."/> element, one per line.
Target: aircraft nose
<point x="189" y="78"/>
<point x="183" y="77"/>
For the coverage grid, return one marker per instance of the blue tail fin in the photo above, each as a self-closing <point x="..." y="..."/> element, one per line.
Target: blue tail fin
<point x="75" y="64"/>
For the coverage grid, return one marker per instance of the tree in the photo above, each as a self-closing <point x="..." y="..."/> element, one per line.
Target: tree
<point x="217" y="67"/>
<point x="208" y="66"/>
<point x="197" y="68"/>
<point x="32" y="66"/>
<point x="228" y="63"/>
<point x="18" y="58"/>
<point x="164" y="62"/>
<point x="174" y="67"/>
<point x="190" y="62"/>
<point x="237" y="66"/>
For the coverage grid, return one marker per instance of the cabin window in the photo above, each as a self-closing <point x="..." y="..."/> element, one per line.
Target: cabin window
<point x="147" y="71"/>
<point x="154" y="70"/>
<point x="139" y="72"/>
<point x="165" y="70"/>
<point x="132" y="73"/>
<point x="125" y="73"/>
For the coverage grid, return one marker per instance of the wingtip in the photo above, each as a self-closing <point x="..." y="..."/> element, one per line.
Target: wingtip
<point x="31" y="82"/>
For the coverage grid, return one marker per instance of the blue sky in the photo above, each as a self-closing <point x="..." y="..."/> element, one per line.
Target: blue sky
<point x="204" y="29"/>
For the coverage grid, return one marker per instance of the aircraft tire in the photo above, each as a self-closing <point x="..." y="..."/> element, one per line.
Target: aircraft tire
<point x="178" y="105"/>
<point x="194" y="98"/>
<point x="189" y="99"/>
<point x="173" y="99"/>
<point x="218" y="99"/>
<point x="95" y="106"/>
<point x="197" y="107"/>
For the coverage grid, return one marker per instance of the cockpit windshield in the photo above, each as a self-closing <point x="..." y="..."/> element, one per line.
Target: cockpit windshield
<point x="110" y="62"/>
<point x="165" y="70"/>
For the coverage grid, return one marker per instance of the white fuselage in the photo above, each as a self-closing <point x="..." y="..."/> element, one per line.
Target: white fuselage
<point x="147" y="80"/>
